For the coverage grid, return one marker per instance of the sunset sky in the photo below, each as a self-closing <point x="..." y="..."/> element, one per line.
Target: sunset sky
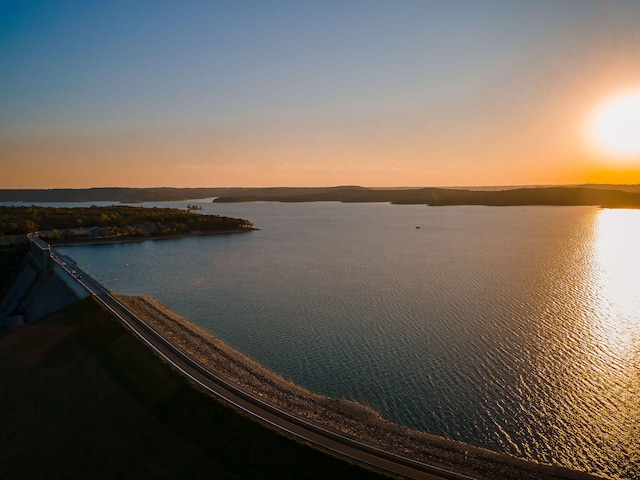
<point x="296" y="93"/>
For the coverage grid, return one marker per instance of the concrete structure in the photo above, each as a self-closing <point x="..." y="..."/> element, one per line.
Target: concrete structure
<point x="41" y="288"/>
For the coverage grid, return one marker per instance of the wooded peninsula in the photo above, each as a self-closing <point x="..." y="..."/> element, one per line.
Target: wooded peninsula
<point x="63" y="224"/>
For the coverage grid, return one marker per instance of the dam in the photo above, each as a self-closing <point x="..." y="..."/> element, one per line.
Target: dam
<point x="42" y="287"/>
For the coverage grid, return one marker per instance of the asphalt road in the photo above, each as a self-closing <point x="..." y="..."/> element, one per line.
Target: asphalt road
<point x="324" y="438"/>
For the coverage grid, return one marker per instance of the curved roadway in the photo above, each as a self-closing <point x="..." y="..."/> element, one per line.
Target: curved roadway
<point x="258" y="408"/>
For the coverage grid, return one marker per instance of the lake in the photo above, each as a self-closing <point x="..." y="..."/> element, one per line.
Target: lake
<point x="516" y="329"/>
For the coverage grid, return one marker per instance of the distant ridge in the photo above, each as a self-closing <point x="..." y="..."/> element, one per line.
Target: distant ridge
<point x="557" y="196"/>
<point x="611" y="196"/>
<point x="110" y="194"/>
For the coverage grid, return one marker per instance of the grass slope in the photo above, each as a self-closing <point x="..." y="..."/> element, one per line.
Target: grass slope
<point x="81" y="397"/>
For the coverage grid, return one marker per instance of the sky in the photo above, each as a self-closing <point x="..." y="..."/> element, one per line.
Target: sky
<point x="140" y="93"/>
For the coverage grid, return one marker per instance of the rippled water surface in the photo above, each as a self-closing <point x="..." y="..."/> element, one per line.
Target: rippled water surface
<point x="515" y="328"/>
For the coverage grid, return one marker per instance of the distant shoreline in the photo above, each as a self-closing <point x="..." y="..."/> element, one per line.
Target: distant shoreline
<point x="538" y="196"/>
<point x="490" y="195"/>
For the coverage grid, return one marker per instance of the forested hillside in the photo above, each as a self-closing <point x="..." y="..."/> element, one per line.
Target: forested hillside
<point x="123" y="220"/>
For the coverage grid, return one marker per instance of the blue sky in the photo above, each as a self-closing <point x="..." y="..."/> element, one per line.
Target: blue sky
<point x="225" y="93"/>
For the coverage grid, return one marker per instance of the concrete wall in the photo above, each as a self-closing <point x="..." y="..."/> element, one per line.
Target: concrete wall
<point x="52" y="295"/>
<point x="42" y="288"/>
<point x="18" y="289"/>
<point x="70" y="281"/>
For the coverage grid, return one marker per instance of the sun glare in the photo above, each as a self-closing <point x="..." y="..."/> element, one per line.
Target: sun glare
<point x="618" y="279"/>
<point x="616" y="125"/>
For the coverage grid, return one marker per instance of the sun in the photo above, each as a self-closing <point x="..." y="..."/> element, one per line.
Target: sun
<point x="615" y="125"/>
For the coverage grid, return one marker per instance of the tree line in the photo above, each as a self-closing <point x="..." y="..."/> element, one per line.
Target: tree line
<point x="123" y="220"/>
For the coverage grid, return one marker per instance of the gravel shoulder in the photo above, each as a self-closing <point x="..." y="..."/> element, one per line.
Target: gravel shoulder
<point x="347" y="417"/>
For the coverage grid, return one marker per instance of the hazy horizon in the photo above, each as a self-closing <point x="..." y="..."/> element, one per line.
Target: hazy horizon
<point x="313" y="94"/>
<point x="373" y="187"/>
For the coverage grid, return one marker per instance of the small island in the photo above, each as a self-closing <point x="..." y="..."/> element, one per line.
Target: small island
<point x="110" y="224"/>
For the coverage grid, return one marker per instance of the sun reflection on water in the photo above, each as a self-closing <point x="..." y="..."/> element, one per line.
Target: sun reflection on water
<point x="594" y="361"/>
<point x="612" y="354"/>
<point x="617" y="272"/>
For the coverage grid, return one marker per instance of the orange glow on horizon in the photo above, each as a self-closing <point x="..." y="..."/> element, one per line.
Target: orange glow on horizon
<point x="541" y="149"/>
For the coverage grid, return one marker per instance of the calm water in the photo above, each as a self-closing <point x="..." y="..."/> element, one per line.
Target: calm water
<point x="516" y="329"/>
